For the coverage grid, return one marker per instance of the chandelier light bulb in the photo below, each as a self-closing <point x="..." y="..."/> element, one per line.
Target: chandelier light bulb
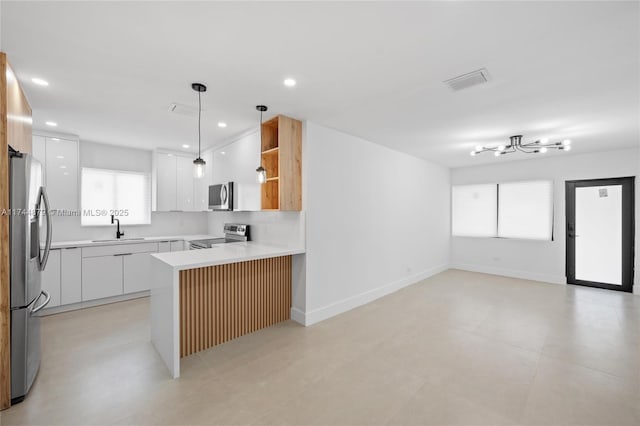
<point x="478" y="147"/>
<point x="543" y="149"/>
<point x="497" y="153"/>
<point x="544" y="141"/>
<point x="501" y="148"/>
<point x="473" y="153"/>
<point x="566" y="142"/>
<point x="567" y="147"/>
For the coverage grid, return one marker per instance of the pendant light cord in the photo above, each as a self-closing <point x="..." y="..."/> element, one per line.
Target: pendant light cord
<point x="199" y="113"/>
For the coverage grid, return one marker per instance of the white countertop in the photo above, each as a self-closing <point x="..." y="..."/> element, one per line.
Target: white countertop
<point x="224" y="253"/>
<point x="92" y="243"/>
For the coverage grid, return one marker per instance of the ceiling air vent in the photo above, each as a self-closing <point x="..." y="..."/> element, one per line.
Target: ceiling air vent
<point x="465" y="81"/>
<point x="181" y="109"/>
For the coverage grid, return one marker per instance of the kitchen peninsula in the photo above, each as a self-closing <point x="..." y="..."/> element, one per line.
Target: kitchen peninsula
<point x="201" y="298"/>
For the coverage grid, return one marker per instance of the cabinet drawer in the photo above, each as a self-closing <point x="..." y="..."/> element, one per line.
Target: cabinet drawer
<point x="119" y="249"/>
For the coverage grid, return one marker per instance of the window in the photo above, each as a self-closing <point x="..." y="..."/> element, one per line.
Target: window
<point x="526" y="210"/>
<point x="125" y="194"/>
<point x="506" y="210"/>
<point x="474" y="210"/>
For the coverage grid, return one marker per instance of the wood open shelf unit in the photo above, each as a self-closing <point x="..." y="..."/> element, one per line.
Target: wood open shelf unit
<point x="281" y="148"/>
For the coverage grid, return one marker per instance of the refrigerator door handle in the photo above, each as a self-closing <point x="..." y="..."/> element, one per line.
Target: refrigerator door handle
<point x="47" y="211"/>
<point x="46" y="301"/>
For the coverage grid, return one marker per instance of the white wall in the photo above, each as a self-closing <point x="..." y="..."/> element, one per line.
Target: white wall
<point x="537" y="260"/>
<point x="121" y="158"/>
<point x="377" y="220"/>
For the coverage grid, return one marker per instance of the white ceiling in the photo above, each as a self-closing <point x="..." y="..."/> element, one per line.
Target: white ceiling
<point x="375" y="70"/>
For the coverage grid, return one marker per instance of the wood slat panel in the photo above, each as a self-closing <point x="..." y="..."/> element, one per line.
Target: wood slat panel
<point x="223" y="302"/>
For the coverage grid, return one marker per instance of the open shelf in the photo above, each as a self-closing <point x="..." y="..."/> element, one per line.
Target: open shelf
<point x="271" y="195"/>
<point x="271" y="151"/>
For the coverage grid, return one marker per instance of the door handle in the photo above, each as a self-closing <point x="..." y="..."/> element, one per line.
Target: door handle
<point x="46" y="301"/>
<point x="47" y="210"/>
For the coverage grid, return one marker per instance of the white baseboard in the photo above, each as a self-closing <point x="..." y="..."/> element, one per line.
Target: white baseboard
<point x="321" y="314"/>
<point x="513" y="273"/>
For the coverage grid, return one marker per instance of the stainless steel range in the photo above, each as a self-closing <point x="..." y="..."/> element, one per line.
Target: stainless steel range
<point x="233" y="233"/>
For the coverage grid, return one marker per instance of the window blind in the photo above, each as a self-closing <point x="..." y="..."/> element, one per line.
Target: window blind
<point x="526" y="210"/>
<point x="125" y="194"/>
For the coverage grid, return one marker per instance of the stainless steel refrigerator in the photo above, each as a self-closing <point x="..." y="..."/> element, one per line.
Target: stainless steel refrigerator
<point x="29" y="245"/>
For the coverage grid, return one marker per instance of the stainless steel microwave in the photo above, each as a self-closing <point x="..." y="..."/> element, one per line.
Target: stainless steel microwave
<point x="221" y="196"/>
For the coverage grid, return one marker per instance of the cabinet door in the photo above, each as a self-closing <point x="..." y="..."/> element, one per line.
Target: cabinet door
<point x="166" y="182"/>
<point x="164" y="246"/>
<point x="137" y="272"/>
<point x="101" y="277"/>
<point x="177" y="245"/>
<point x="39" y="151"/>
<point x="70" y="275"/>
<point x="185" y="183"/>
<point x="51" y="278"/>
<point x="62" y="173"/>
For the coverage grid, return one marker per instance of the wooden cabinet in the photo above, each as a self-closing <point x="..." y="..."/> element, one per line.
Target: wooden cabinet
<point x="70" y="275"/>
<point x="51" y="278"/>
<point x="101" y="277"/>
<point x="281" y="153"/>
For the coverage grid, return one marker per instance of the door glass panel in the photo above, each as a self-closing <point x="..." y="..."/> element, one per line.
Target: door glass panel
<point x="599" y="234"/>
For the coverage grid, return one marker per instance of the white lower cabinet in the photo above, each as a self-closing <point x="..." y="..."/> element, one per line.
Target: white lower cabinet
<point x="51" y="278"/>
<point x="177" y="245"/>
<point x="70" y="275"/>
<point x="101" y="277"/>
<point x="137" y="272"/>
<point x="77" y="274"/>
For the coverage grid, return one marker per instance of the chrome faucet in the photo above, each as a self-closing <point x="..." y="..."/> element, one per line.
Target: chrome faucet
<point x="118" y="233"/>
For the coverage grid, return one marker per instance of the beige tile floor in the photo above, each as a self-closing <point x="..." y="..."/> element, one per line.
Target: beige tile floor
<point x="458" y="348"/>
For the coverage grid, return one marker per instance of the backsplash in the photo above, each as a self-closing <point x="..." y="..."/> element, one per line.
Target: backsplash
<point x="275" y="228"/>
<point x="162" y="223"/>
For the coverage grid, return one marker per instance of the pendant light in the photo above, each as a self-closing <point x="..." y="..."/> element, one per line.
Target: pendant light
<point x="199" y="163"/>
<point x="262" y="173"/>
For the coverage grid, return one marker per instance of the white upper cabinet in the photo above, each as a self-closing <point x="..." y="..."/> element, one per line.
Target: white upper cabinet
<point x="59" y="158"/>
<point x="39" y="152"/>
<point x="62" y="173"/>
<point x="175" y="188"/>
<point x="185" y="183"/>
<point x="237" y="162"/>
<point x="166" y="183"/>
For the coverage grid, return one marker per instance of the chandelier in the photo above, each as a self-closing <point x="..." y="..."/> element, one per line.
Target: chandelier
<point x="515" y="144"/>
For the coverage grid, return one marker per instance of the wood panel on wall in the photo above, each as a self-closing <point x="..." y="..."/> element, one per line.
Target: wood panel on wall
<point x="15" y="130"/>
<point x="220" y="303"/>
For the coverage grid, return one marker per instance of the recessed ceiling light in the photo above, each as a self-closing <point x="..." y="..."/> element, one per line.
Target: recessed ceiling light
<point x="51" y="123"/>
<point x="40" y="82"/>
<point x="185" y="146"/>
<point x="60" y="157"/>
<point x="289" y="82"/>
<point x="66" y="173"/>
<point x="55" y="139"/>
<point x="63" y="167"/>
<point x="222" y="152"/>
<point x="222" y="124"/>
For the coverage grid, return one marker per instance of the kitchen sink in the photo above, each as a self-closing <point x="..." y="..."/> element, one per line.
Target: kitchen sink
<point x="117" y="239"/>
